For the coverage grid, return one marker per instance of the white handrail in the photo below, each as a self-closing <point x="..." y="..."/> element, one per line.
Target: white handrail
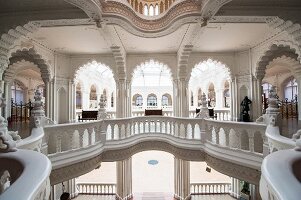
<point x="34" y="141"/>
<point x="33" y="182"/>
<point x="278" y="176"/>
<point x="276" y="141"/>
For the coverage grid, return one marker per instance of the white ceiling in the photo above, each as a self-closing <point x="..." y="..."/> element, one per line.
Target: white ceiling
<point x="213" y="38"/>
<point x="72" y="39"/>
<point x="220" y="37"/>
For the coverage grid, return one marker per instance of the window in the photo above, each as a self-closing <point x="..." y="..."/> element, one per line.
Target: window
<point x="93" y="93"/>
<point x="78" y="97"/>
<point x="157" y="10"/>
<point x="151" y="100"/>
<point x="112" y="100"/>
<point x="139" y="101"/>
<point x="151" y="10"/>
<point x="191" y="99"/>
<point x="17" y="93"/>
<point x="145" y="11"/>
<point x="266" y="87"/>
<point x="164" y="100"/>
<point x="291" y="90"/>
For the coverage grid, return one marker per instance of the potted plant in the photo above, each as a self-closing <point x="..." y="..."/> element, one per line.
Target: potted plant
<point x="245" y="191"/>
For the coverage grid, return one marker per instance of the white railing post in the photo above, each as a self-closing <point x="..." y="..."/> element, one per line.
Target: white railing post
<point x="251" y="141"/>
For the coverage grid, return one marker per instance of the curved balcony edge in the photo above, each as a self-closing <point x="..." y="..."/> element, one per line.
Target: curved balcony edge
<point x="278" y="180"/>
<point x="33" y="182"/>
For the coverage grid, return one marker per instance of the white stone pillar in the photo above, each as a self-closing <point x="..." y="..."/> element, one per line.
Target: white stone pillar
<point x="181" y="98"/>
<point x="52" y="100"/>
<point x="182" y="179"/>
<point x="219" y="95"/>
<point x="257" y="97"/>
<point x="123" y="99"/>
<point x="47" y="99"/>
<point x="72" y="103"/>
<point x="129" y="99"/>
<point x="7" y="96"/>
<point x="298" y="80"/>
<point x="176" y="105"/>
<point x="234" y="98"/>
<point x="124" y="179"/>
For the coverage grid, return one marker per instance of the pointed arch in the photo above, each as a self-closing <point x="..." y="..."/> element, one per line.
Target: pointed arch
<point x="29" y="55"/>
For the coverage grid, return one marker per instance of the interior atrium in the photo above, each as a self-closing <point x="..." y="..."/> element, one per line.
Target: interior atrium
<point x="150" y="99"/>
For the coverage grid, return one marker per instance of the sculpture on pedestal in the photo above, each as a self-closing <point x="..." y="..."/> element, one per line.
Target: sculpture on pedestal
<point x="102" y="114"/>
<point x="245" y="108"/>
<point x="37" y="112"/>
<point x="204" y="112"/>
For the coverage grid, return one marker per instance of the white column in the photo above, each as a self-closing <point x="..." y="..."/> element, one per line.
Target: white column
<point x="47" y="98"/>
<point x="176" y="98"/>
<point x="181" y="98"/>
<point x="257" y="99"/>
<point x="298" y="79"/>
<point x="234" y="99"/>
<point x="121" y="98"/>
<point x="124" y="179"/>
<point x="7" y="95"/>
<point x="182" y="178"/>
<point x="85" y="99"/>
<point x="72" y="102"/>
<point x="219" y="95"/>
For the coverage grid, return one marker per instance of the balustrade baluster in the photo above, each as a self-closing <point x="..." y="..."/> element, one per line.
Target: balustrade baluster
<point x="81" y="139"/>
<point x="227" y="135"/>
<point x="192" y="131"/>
<point x="112" y="131"/>
<point x="119" y="131"/>
<point x="161" y="124"/>
<point x="251" y="141"/>
<point x="58" y="143"/>
<point x="89" y="136"/>
<point x="217" y="135"/>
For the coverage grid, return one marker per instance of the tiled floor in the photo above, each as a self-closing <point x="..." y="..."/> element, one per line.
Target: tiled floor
<point x="154" y="196"/>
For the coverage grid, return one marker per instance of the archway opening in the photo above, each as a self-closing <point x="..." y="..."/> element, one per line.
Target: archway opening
<point x="153" y="82"/>
<point x="93" y="80"/>
<point x="211" y="78"/>
<point x="153" y="172"/>
<point x="23" y="79"/>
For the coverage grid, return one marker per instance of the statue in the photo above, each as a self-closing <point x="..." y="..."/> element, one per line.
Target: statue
<point x="245" y="108"/>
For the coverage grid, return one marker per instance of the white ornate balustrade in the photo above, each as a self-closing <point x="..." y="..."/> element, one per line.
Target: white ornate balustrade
<point x="66" y="144"/>
<point x="222" y="114"/>
<point x="96" y="188"/>
<point x="210" y="188"/>
<point x="280" y="178"/>
<point x="64" y="137"/>
<point x="28" y="173"/>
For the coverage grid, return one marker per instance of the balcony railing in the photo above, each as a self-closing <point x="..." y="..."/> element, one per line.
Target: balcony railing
<point x="96" y="188"/>
<point x="210" y="188"/>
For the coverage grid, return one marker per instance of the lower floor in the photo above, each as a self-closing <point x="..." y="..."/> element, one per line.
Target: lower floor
<point x="155" y="196"/>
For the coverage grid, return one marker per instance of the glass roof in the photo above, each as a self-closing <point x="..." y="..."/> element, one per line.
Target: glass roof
<point x="96" y="73"/>
<point x="152" y="73"/>
<point x="207" y="72"/>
